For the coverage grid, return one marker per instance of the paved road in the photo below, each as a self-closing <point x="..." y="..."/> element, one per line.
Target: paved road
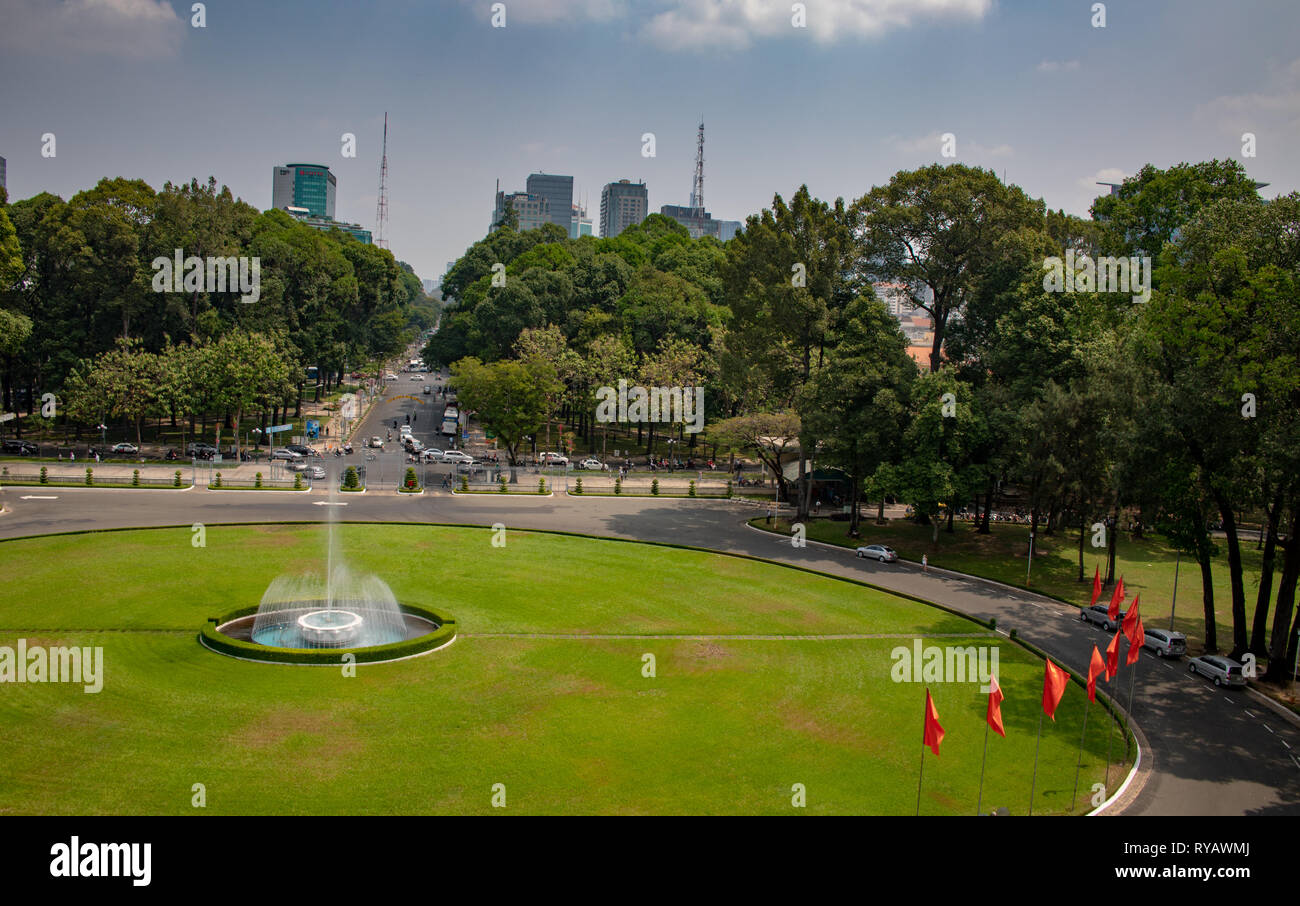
<point x="1211" y="752"/>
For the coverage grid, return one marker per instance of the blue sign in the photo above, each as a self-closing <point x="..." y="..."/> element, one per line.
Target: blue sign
<point x="278" y="428"/>
<point x="313" y="428"/>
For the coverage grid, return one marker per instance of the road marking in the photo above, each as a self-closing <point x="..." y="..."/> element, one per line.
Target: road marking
<point x="1231" y="702"/>
<point x="1284" y="742"/>
<point x="328" y="503"/>
<point x="1269" y="729"/>
<point x="36" y="497"/>
<point x="1293" y="761"/>
<point x="1247" y="710"/>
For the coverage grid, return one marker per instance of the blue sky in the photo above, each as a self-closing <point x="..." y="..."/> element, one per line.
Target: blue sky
<point x="867" y="88"/>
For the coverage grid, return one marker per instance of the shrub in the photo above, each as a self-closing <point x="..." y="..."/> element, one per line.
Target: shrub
<point x="618" y="486"/>
<point x="541" y="485"/>
<point x="993" y="622"/>
<point x="464" y="483"/>
<point x="410" y="481"/>
<point x="176" y="478"/>
<point x="4" y="472"/>
<point x="501" y="485"/>
<point x="90" y="475"/>
<point x="297" y="481"/>
<point x="257" y="480"/>
<point x="578" y="488"/>
<point x="690" y="492"/>
<point x="135" y="478"/>
<point x="350" y="477"/>
<point x="728" y="487"/>
<point x="654" y="487"/>
<point x="45" y="475"/>
<point x="216" y="480"/>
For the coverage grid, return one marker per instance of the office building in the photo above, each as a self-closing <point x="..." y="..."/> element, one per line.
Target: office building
<point x="622" y="204"/>
<point x="558" y="192"/>
<point x="579" y="223"/>
<point x="310" y="186"/>
<point x="532" y="210"/>
<point x="697" y="221"/>
<point x="3" y="184"/>
<point x="727" y="229"/>
<point x="303" y="215"/>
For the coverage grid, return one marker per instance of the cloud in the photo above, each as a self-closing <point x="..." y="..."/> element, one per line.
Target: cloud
<point x="1058" y="66"/>
<point x="1275" y="108"/>
<point x="931" y="144"/>
<point x="554" y="12"/>
<point x="735" y="24"/>
<point x="134" y="29"/>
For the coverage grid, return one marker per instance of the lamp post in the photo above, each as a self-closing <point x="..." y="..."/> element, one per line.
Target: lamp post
<point x="1174" y="606"/>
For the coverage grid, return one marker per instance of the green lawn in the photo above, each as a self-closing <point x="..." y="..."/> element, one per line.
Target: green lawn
<point x="569" y="725"/>
<point x="1147" y="566"/>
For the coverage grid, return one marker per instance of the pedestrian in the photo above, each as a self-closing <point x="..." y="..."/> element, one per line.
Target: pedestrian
<point x="925" y="563"/>
<point x="72" y="456"/>
<point x="769" y="515"/>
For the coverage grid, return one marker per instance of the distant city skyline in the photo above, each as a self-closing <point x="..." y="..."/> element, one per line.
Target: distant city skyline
<point x="1033" y="91"/>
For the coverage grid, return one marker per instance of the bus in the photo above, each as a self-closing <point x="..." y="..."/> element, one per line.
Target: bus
<point x="450" y="421"/>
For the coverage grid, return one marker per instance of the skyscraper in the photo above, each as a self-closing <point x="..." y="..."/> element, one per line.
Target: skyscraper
<point x="622" y="204"/>
<point x="532" y="210"/>
<point x="310" y="186"/>
<point x="3" y="184"/>
<point x="558" y="192"/>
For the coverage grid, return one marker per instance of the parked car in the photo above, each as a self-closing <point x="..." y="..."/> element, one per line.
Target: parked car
<point x="554" y="459"/>
<point x="200" y="449"/>
<point x="1224" y="671"/>
<point x="593" y="464"/>
<point x="1100" y="614"/>
<point x="458" y="457"/>
<point x="316" y="473"/>
<point x="390" y="377"/>
<point x="428" y="390"/>
<point x="1165" y="642"/>
<point x="126" y="449"/>
<point x="412" y="445"/>
<point x="416" y="377"/>
<point x="878" y="552"/>
<point x="377" y="442"/>
<point x="432" y="454"/>
<point x="302" y="449"/>
<point x="21" y="447"/>
<point x="404" y="430"/>
<point x="299" y="465"/>
<point x="286" y="454"/>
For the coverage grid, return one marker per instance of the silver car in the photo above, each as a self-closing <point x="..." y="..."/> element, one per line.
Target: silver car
<point x="1165" y="642"/>
<point x="1224" y="671"/>
<point x="878" y="552"/>
<point x="1100" y="614"/>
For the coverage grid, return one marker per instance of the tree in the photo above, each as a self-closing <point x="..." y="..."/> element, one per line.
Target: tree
<point x="769" y="435"/>
<point x="511" y="398"/>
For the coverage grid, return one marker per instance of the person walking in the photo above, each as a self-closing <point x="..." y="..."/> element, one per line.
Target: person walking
<point x="925" y="563"/>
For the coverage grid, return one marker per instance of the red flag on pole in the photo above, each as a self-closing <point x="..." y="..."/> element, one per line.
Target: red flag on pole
<point x="994" y="715"/>
<point x="1112" y="658"/>
<point x="1116" y="599"/>
<point x="1054" y="681"/>
<point x="1096" y="586"/>
<point x="933" y="732"/>
<point x="1131" y="621"/>
<point x="1095" y="669"/>
<point x="1135" y="648"/>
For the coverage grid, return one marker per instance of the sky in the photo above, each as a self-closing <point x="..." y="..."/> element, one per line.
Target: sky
<point x="839" y="97"/>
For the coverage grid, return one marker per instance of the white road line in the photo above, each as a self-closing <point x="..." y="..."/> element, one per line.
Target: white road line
<point x="36" y="497"/>
<point x="1284" y="742"/>
<point x="1269" y="729"/>
<point x="1231" y="702"/>
<point x="1293" y="761"/>
<point x="328" y="503"/>
<point x="1247" y="710"/>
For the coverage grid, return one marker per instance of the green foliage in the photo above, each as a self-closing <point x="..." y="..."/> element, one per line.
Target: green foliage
<point x="729" y="488"/>
<point x="257" y="480"/>
<point x="578" y="488"/>
<point x="654" y="487"/>
<point x="502" y="486"/>
<point x="618" y="486"/>
<point x="541" y="486"/>
<point x="464" y="483"/>
<point x="135" y="478"/>
<point x="297" y="481"/>
<point x="90" y="475"/>
<point x="690" y="491"/>
<point x="350" y="479"/>
<point x="45" y="475"/>
<point x="216" y="480"/>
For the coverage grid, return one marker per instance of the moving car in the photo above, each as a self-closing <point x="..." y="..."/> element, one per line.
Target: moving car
<point x="878" y="552"/>
<point x="377" y="442"/>
<point x="286" y="454"/>
<point x="554" y="459"/>
<point x="1099" y="614"/>
<point x="1165" y="642"/>
<point x="432" y="454"/>
<point x="302" y="449"/>
<point x="315" y="473"/>
<point x="427" y="390"/>
<point x="128" y="449"/>
<point x="459" y="457"/>
<point x="1224" y="671"/>
<point x="198" y="448"/>
<point x="21" y="447"/>
<point x="592" y="463"/>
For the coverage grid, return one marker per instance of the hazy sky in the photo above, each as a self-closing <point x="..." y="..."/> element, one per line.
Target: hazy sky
<point x="1028" y="87"/>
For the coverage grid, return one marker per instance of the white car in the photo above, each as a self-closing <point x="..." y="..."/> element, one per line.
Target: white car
<point x="459" y="457"/>
<point x="433" y="454"/>
<point x="316" y="473"/>
<point x="593" y="464"/>
<point x="390" y="377"/>
<point x="1224" y="671"/>
<point x="377" y="442"/>
<point x="405" y="429"/>
<point x="554" y="459"/>
<point x="878" y="552"/>
<point x="286" y="454"/>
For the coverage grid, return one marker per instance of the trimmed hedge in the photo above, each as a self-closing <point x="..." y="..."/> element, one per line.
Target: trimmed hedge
<point x="329" y="657"/>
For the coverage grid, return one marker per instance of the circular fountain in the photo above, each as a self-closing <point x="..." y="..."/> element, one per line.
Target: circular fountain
<point x="319" y="619"/>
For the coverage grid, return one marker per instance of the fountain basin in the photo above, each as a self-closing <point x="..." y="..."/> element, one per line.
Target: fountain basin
<point x="330" y="628"/>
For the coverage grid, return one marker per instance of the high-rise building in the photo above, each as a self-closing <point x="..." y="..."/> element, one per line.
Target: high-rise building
<point x="532" y="210"/>
<point x="727" y="229"/>
<point x="558" y="192"/>
<point x="310" y="186"/>
<point x="896" y="298"/>
<point x="356" y="230"/>
<point x="622" y="204"/>
<point x="579" y="223"/>
<point x="3" y="184"/>
<point x="697" y="221"/>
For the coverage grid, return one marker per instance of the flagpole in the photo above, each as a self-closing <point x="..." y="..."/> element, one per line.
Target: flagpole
<point x="1034" y="783"/>
<point x="921" y="774"/>
<point x="1079" y="764"/>
<point x="1131" y="680"/>
<point x="980" y="800"/>
<point x="1110" y="737"/>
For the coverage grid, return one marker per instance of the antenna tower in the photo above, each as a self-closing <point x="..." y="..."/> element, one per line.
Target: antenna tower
<point x="697" y="189"/>
<point x="381" y="206"/>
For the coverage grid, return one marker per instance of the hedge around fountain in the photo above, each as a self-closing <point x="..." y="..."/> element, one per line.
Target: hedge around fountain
<point x="326" y="657"/>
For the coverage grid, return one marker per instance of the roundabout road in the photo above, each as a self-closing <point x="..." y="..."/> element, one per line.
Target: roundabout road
<point x="1210" y="752"/>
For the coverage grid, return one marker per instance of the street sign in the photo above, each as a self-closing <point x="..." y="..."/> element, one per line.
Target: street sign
<point x="8" y="416"/>
<point x="278" y="428"/>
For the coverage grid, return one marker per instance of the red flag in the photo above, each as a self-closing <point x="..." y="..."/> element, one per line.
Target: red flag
<point x="933" y="732"/>
<point x="1095" y="669"/>
<point x="1135" y="650"/>
<point x="1132" y="620"/>
<point x="1112" y="658"/>
<point x="1116" y="599"/>
<point x="1096" y="586"/>
<point x="994" y="715"/>
<point x="1053" y="688"/>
